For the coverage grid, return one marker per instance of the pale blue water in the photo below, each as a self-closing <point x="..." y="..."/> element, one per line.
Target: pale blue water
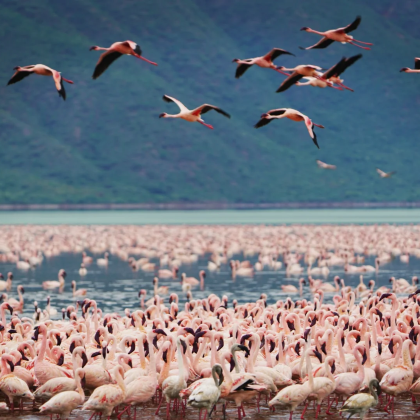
<point x="191" y="217"/>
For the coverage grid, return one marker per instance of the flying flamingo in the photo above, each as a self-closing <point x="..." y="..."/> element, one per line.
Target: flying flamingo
<point x="333" y="73"/>
<point x="191" y="115"/>
<point x="65" y="402"/>
<point x="324" y="165"/>
<point x="265" y="61"/>
<point x="339" y="35"/>
<point x="298" y="72"/>
<point x="42" y="70"/>
<point x="293" y="115"/>
<point x="383" y="174"/>
<point x="116" y="50"/>
<point x="416" y="67"/>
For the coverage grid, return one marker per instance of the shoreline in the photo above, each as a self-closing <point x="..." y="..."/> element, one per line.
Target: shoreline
<point x="211" y="206"/>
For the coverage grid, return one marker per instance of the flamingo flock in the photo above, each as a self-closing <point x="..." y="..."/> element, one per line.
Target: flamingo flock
<point x="345" y="349"/>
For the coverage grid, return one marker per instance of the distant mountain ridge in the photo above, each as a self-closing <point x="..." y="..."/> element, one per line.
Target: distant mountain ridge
<point x="106" y="144"/>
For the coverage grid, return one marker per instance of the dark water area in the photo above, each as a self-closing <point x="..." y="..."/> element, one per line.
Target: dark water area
<point x="116" y="287"/>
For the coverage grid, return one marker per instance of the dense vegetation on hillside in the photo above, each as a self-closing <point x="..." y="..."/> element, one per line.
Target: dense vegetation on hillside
<point x="105" y="143"/>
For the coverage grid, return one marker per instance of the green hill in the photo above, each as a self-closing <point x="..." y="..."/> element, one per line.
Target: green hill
<point x="105" y="143"/>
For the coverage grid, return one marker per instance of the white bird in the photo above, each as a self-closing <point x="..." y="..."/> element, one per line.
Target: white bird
<point x="416" y="67"/>
<point x="324" y="165"/>
<point x="82" y="270"/>
<point x="53" y="284"/>
<point x="103" y="262"/>
<point x="293" y="115"/>
<point x="361" y="403"/>
<point x="207" y="393"/>
<point x="265" y="61"/>
<point x="383" y="174"/>
<point x="191" y="115"/>
<point x="43" y="70"/>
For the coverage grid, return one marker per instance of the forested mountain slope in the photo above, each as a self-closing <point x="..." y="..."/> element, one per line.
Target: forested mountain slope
<point x="105" y="143"/>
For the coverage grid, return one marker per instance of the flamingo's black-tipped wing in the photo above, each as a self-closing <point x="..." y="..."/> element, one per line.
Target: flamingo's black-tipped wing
<point x="322" y="43"/>
<point x="105" y="60"/>
<point x="290" y="81"/>
<point x="241" y="69"/>
<point x="206" y="108"/>
<point x="276" y="112"/>
<point x="335" y="70"/>
<point x="18" y="76"/>
<point x="262" y="122"/>
<point x="314" y="138"/>
<point x="62" y="91"/>
<point x="167" y="98"/>
<point x="350" y="61"/>
<point x="277" y="52"/>
<point x="417" y="63"/>
<point x="353" y="25"/>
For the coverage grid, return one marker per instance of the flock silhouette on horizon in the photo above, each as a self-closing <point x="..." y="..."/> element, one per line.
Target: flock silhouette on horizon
<point x="313" y="75"/>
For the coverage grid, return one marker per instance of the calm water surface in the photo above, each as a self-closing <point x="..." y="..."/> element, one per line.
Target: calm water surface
<point x="190" y="217"/>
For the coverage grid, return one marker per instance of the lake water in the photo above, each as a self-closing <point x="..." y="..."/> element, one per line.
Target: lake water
<point x="138" y="217"/>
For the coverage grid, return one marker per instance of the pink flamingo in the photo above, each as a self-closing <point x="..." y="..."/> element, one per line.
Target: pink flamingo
<point x="43" y="70"/>
<point x="106" y="397"/>
<point x="265" y="61"/>
<point x="65" y="402"/>
<point x="116" y="50"/>
<point x="338" y="35"/>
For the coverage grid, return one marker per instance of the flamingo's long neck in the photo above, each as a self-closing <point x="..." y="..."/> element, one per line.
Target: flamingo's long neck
<point x="406" y="354"/>
<point x="309" y="370"/>
<point x="200" y="353"/>
<point x="41" y="352"/>
<point x="235" y="360"/>
<point x="141" y="352"/>
<point x="360" y="367"/>
<point x="315" y="32"/>
<point x="341" y="352"/>
<point x="152" y="364"/>
<point x="181" y="378"/>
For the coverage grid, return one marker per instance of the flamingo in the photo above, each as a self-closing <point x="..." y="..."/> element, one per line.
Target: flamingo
<point x="86" y="259"/>
<point x="191" y="115"/>
<point x="293" y="115"/>
<point x="106" y="397"/>
<point x="265" y="61"/>
<point x="290" y="288"/>
<point x="6" y="285"/>
<point x="292" y="396"/>
<point x="338" y="35"/>
<point x="103" y="262"/>
<point x="10" y="384"/>
<point x="17" y="305"/>
<point x="383" y="174"/>
<point x="82" y="270"/>
<point x="116" y="50"/>
<point x="65" y="402"/>
<point x="298" y="72"/>
<point x="324" y="165"/>
<point x="77" y="292"/>
<point x="53" y="284"/>
<point x="43" y="369"/>
<point x="416" y="67"/>
<point x="42" y="70"/>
